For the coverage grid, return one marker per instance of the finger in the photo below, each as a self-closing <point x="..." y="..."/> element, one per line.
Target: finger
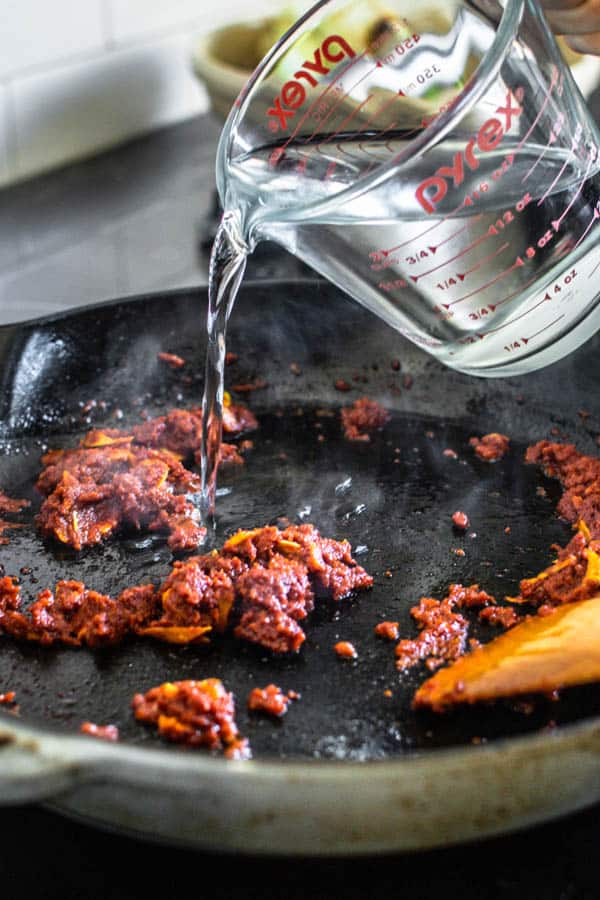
<point x="573" y="16"/>
<point x="584" y="43"/>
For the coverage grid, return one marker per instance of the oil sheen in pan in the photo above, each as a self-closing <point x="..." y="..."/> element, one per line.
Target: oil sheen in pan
<point x="393" y="505"/>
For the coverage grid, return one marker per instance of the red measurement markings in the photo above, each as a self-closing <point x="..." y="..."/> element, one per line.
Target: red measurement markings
<point x="556" y="130"/>
<point x="378" y="137"/>
<point x="478" y="265"/>
<point x="319" y="98"/>
<point x="574" y="145"/>
<point x="545" y="328"/>
<point x="566" y="280"/>
<point x="557" y="222"/>
<point x="517" y="293"/>
<point x="376" y="115"/>
<point x="456" y="233"/>
<point x="516" y="319"/>
<point x="516" y="345"/>
<point x="542" y="107"/>
<point x="348" y="119"/>
<point x="423" y="233"/>
<point x="446" y="262"/>
<point x="594" y="270"/>
<point x="516" y="265"/>
<point x="321" y="123"/>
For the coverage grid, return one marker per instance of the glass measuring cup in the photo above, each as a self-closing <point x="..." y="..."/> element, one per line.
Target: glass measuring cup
<point x="438" y="163"/>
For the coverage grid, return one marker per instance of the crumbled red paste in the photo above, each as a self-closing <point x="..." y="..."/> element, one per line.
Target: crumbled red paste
<point x="460" y="520"/>
<point x="104" y="732"/>
<point x="134" y="480"/>
<point x="260" y="585"/>
<point x="505" y="616"/>
<point x="4" y="525"/>
<point x="574" y="575"/>
<point x="345" y="650"/>
<point x="363" y="419"/>
<point x="579" y="476"/>
<point x="74" y="615"/>
<point x="172" y="360"/>
<point x="442" y="631"/>
<point x="490" y="447"/>
<point x="270" y="700"/>
<point x="11" y="504"/>
<point x="387" y="630"/>
<point x="193" y="713"/>
<point x="247" y="387"/>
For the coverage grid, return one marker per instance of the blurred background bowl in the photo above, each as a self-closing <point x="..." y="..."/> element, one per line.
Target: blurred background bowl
<point x="225" y="58"/>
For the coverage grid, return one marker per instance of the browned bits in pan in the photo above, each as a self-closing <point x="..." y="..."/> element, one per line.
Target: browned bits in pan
<point x="104" y="732"/>
<point x="247" y="387"/>
<point x="172" y="360"/>
<point x="505" y="616"/>
<point x="270" y="700"/>
<point x="193" y="713"/>
<point x="345" y="650"/>
<point x="11" y="504"/>
<point x="460" y="520"/>
<point x="443" y="630"/>
<point x="491" y="447"/>
<point x="579" y="476"/>
<point x="364" y="418"/>
<point x="387" y="630"/>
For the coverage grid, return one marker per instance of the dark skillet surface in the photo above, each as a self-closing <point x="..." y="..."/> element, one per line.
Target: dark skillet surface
<point x="396" y="513"/>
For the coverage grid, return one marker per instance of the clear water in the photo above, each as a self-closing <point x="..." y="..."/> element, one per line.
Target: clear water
<point x="443" y="278"/>
<point x="228" y="261"/>
<point x="482" y="285"/>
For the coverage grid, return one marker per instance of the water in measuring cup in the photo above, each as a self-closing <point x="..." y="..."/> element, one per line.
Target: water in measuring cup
<point x="446" y="275"/>
<point x="478" y="281"/>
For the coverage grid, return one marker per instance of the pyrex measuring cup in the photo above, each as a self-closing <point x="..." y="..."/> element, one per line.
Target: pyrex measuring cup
<point x="434" y="159"/>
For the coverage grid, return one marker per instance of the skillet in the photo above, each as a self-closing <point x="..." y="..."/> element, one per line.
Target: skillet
<point x="350" y="769"/>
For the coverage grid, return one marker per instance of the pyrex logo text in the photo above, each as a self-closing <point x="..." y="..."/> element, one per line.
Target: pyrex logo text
<point x="432" y="190"/>
<point x="293" y="93"/>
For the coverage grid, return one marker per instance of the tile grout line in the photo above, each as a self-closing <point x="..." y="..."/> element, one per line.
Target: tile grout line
<point x="107" y="24"/>
<point x="12" y="140"/>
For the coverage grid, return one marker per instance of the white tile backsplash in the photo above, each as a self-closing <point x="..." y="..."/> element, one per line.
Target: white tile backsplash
<point x="4" y="136"/>
<point x="39" y="32"/>
<point x="75" y="110"/>
<point x="132" y="19"/>
<point x="78" y="76"/>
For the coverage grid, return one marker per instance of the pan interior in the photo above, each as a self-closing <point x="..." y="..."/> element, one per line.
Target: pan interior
<point x="392" y="498"/>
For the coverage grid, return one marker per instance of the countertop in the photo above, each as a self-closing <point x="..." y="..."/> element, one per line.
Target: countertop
<point x="138" y="219"/>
